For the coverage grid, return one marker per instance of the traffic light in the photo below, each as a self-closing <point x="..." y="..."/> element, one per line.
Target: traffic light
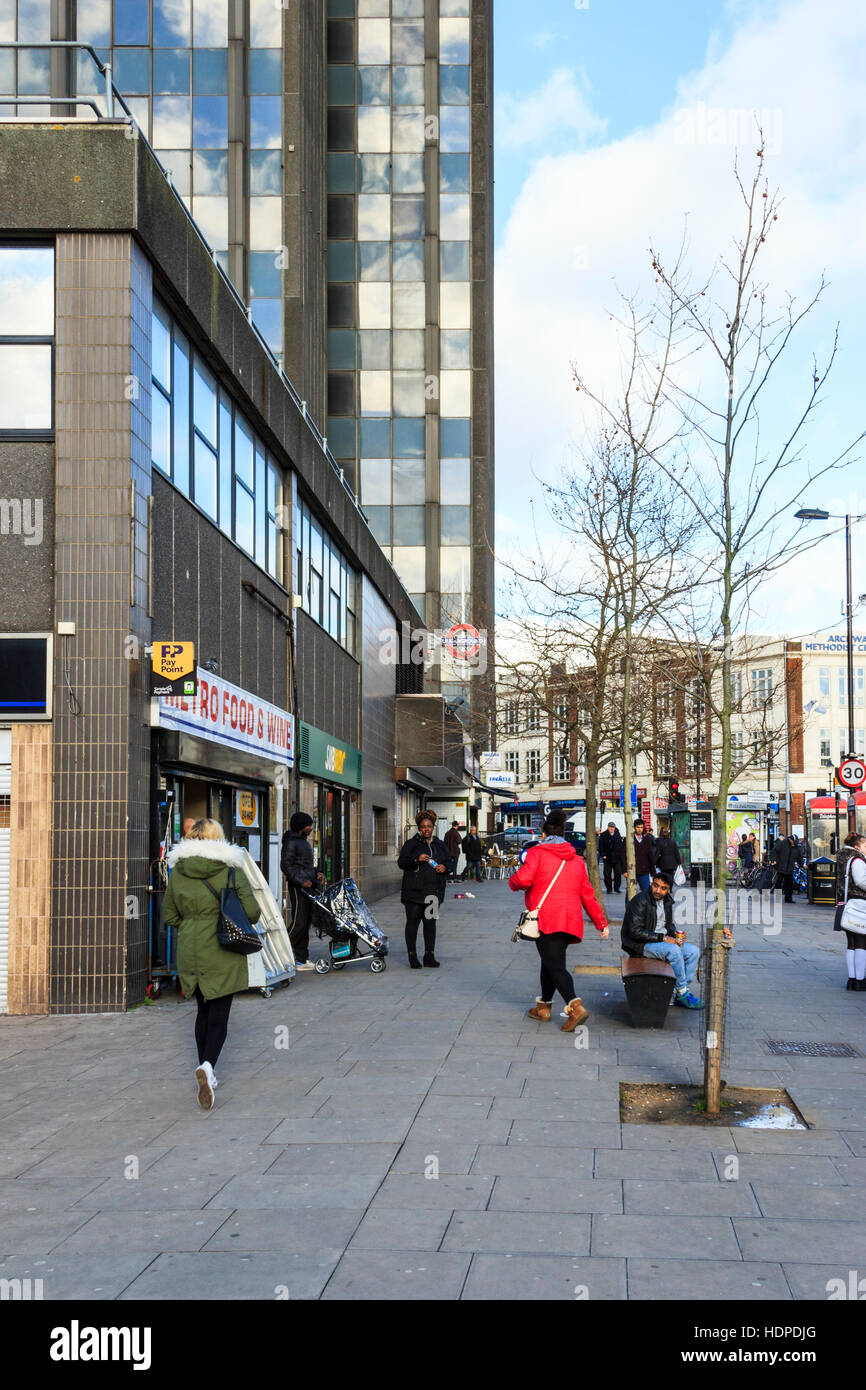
<point x="602" y="807"/>
<point x="674" y="790"/>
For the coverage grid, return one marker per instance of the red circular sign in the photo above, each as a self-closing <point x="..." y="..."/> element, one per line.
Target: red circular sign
<point x="852" y="773"/>
<point x="462" y="641"/>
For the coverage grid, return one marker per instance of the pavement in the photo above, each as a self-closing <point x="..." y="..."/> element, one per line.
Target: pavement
<point x="413" y="1135"/>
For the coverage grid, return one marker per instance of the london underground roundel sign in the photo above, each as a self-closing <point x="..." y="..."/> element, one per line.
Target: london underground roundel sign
<point x="462" y="641"/>
<point x="852" y="773"/>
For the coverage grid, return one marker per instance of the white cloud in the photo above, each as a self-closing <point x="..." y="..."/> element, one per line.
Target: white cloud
<point x="559" y="109"/>
<point x="581" y="227"/>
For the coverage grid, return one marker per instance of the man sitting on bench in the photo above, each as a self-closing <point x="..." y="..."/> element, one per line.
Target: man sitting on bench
<point x="647" y="930"/>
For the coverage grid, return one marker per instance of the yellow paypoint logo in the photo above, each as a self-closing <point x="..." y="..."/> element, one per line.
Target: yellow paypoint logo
<point x="173" y="660"/>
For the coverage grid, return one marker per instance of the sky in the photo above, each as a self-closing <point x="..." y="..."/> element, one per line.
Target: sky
<point x="616" y="125"/>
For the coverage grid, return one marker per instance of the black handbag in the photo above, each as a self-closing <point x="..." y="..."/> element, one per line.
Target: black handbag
<point x="235" y="931"/>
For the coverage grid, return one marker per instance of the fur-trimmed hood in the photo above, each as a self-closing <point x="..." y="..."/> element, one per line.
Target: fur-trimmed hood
<point x="204" y="858"/>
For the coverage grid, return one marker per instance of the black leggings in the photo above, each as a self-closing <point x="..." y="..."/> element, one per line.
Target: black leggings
<point x="554" y="972"/>
<point x="856" y="940"/>
<point x="211" y="1025"/>
<point x="416" y="914"/>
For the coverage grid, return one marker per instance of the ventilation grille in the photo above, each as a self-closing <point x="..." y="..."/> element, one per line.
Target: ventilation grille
<point x="812" y="1049"/>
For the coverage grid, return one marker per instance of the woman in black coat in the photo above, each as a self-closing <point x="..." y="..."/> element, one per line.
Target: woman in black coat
<point x="424" y="861"/>
<point x="668" y="857"/>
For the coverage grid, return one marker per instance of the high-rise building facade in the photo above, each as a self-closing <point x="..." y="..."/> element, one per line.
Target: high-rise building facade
<point x="337" y="156"/>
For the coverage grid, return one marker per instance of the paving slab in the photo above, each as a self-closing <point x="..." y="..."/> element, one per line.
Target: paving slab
<point x="419" y="1276"/>
<point x="295" y="1191"/>
<point x="547" y="1194"/>
<point x="548" y="1278"/>
<point x="232" y="1277"/>
<point x="831" y="1203"/>
<point x="450" y="1191"/>
<point x="148" y="1193"/>
<point x="699" y="1281"/>
<point x="67" y="1277"/>
<point x="565" y="1165"/>
<point x="693" y="1237"/>
<point x="451" y="1155"/>
<point x="830" y="1282"/>
<point x="798" y="1241"/>
<point x="689" y="1198"/>
<point x="518" y="1233"/>
<point x="330" y="1161"/>
<point x="299" y="1232"/>
<point x="663" y="1165"/>
<point x="559" y="1133"/>
<point x="395" y="1228"/>
<point x="149" y="1231"/>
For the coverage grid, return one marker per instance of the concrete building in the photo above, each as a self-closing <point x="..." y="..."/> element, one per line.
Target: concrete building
<point x="162" y="483"/>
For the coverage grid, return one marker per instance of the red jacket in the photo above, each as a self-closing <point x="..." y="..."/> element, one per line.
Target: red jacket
<point x="562" y="908"/>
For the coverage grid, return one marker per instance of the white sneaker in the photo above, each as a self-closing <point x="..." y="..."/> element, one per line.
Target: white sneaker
<point x="204" y="1080"/>
<point x="304" y="965"/>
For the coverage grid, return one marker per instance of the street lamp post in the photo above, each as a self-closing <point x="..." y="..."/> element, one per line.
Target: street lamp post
<point x="818" y="514"/>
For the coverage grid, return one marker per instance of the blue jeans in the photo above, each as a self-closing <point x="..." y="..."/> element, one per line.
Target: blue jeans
<point x="473" y="869"/>
<point x="684" y="959"/>
<point x="643" y="882"/>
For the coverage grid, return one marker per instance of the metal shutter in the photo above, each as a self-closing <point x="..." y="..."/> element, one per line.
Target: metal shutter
<point x="5" y="833"/>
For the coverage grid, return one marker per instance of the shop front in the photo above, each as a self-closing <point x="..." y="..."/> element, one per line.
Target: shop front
<point x="330" y="791"/>
<point x="224" y="754"/>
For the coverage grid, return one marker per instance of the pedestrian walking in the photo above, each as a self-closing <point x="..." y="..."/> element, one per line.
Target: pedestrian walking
<point x="668" y="857"/>
<point x="424" y="861"/>
<point x="746" y="852"/>
<point x="554" y="879"/>
<point x="644" y="856"/>
<point x="297" y="862"/>
<point x="474" y="852"/>
<point x="200" y="866"/>
<point x="786" y="857"/>
<point x="452" y="844"/>
<point x="611" y="847"/>
<point x="851" y="912"/>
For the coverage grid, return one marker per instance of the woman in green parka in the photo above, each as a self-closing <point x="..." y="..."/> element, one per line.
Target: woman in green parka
<point x="208" y="972"/>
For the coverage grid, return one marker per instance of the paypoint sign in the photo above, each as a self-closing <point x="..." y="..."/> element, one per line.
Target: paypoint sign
<point x="173" y="668"/>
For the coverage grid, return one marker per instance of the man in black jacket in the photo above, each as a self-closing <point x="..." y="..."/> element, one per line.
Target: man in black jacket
<point x="474" y="852"/>
<point x="611" y="847"/>
<point x="296" y="862"/>
<point x="424" y="861"/>
<point x="786" y="856"/>
<point x="647" y="930"/>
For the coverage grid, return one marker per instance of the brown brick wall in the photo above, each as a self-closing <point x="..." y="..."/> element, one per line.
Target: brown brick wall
<point x="30" y="864"/>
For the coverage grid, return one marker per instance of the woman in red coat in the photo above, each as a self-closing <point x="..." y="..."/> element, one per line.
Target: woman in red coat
<point x="560" y="919"/>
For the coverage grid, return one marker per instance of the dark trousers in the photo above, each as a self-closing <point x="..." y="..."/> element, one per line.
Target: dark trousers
<point x="555" y="975"/>
<point x="299" y="931"/>
<point x="417" y="915"/>
<point x="473" y="869"/>
<point x="786" y="881"/>
<point x="211" y="1025"/>
<point x="612" y="876"/>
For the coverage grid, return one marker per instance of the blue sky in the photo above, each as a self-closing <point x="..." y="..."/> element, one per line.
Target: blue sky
<point x="627" y="56"/>
<point x="606" y="138"/>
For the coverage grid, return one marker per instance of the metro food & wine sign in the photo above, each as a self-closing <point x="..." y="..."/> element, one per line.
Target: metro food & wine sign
<point x="224" y="713"/>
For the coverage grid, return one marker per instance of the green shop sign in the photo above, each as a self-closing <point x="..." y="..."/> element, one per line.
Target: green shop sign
<point x="324" y="756"/>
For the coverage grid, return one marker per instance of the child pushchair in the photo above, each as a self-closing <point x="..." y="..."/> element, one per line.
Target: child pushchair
<point x="340" y="913"/>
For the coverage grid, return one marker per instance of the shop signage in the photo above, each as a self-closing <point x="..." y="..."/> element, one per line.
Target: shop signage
<point x="500" y="779"/>
<point x="327" y="757"/>
<point x="492" y="760"/>
<point x="224" y="713"/>
<point x="247" y="810"/>
<point x="172" y="670"/>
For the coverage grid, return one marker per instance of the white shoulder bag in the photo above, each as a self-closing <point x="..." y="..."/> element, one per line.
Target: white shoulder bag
<point x="854" y="913"/>
<point x="527" y="928"/>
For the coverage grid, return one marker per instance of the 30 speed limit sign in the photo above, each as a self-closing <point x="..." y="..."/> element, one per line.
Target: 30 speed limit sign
<point x="852" y="773"/>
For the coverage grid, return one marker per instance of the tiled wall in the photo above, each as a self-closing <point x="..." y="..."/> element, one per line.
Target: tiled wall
<point x="378" y="680"/>
<point x="102" y="739"/>
<point x="30" y="864"/>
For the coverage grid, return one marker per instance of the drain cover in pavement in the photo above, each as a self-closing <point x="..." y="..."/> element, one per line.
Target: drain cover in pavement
<point x="812" y="1049"/>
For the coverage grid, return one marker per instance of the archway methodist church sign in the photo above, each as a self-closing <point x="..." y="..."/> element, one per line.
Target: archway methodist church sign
<point x="835" y="642"/>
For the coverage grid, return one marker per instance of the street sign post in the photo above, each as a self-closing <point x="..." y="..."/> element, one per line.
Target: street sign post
<point x="851" y="773"/>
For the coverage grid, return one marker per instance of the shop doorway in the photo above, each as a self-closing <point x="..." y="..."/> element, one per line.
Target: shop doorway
<point x="330" y="809"/>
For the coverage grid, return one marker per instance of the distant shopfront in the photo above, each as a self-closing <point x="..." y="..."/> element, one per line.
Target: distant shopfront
<point x="330" y="789"/>
<point x="225" y="754"/>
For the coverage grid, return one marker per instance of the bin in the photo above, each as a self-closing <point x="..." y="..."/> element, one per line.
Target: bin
<point x="821" y="884"/>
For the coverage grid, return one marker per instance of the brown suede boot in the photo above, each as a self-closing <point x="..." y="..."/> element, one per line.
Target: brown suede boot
<point x="541" y="1011"/>
<point x="577" y="1014"/>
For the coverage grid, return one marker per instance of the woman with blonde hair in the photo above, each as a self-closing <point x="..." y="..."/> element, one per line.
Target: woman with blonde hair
<point x="200" y="866"/>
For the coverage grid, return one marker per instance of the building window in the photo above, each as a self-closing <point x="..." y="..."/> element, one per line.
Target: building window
<point x="533" y="765"/>
<point x="512" y="764"/>
<point x="665" y="700"/>
<point x="324" y="578"/>
<point x="858" y="685"/>
<point x="843" y="688"/>
<point x="511" y="717"/>
<point x="26" y="339"/>
<point x="533" y="719"/>
<point x="666" y="761"/>
<point x="380" y="830"/>
<point x="736" y="688"/>
<point x="692" y="759"/>
<point x="825" y="756"/>
<point x="561" y="768"/>
<point x="202" y="442"/>
<point x="762" y="685"/>
<point x="560" y="714"/>
<point x="824" y="681"/>
<point x="738" y="745"/>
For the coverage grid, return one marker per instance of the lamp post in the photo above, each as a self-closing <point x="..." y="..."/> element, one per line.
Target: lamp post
<point x="818" y="514"/>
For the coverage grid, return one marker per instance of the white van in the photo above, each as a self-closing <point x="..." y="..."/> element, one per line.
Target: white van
<point x="577" y="822"/>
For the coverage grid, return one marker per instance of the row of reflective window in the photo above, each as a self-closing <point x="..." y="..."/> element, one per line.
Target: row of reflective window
<point x="375" y="129"/>
<point x="26" y="357"/>
<point x="394" y="86"/>
<point x="398" y="173"/>
<point x="397" y="40"/>
<point x="395" y="438"/>
<point x="399" y="9"/>
<point x="324" y="579"/>
<point x="202" y="442"/>
<point x="171" y="23"/>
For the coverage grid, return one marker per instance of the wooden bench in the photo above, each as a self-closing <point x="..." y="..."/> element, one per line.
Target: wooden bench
<point x="648" y="987"/>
